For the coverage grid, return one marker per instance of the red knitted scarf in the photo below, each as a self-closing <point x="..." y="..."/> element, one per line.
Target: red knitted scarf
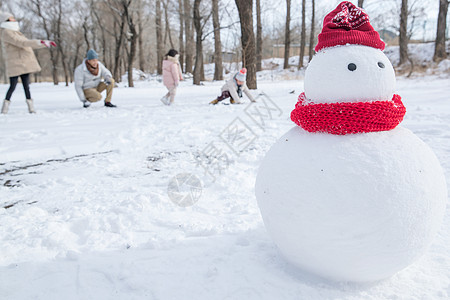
<point x="348" y="117"/>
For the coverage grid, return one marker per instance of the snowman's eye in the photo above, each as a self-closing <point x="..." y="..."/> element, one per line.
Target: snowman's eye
<point x="351" y="67"/>
<point x="381" y="65"/>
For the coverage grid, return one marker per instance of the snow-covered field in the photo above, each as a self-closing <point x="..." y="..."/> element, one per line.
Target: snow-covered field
<point x="85" y="211"/>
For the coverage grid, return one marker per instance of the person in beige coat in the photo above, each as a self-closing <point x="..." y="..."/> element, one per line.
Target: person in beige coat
<point x="20" y="60"/>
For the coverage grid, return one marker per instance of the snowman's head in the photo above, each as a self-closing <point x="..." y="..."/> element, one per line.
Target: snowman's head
<point x="349" y="84"/>
<point x="349" y="73"/>
<point x="349" y="65"/>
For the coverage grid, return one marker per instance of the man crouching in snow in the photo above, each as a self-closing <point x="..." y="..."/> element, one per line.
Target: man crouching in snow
<point x="88" y="80"/>
<point x="233" y="89"/>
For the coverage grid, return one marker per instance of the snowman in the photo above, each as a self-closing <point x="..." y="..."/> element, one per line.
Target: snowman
<point x="347" y="194"/>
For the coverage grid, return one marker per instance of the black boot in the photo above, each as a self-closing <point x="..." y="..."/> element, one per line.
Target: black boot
<point x="109" y="104"/>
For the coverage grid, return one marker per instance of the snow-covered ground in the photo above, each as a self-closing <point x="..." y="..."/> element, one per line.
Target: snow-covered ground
<point x="85" y="211"/>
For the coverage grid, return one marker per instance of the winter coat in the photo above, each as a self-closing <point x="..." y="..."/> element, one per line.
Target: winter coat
<point x="171" y="72"/>
<point x="232" y="87"/>
<point x="86" y="80"/>
<point x="18" y="53"/>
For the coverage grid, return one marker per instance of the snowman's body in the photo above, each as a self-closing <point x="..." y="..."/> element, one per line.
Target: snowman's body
<point x="356" y="207"/>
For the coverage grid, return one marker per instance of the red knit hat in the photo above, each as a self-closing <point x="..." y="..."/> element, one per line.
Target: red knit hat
<point x="348" y="24"/>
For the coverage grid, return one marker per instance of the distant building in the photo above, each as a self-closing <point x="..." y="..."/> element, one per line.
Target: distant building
<point x="278" y="50"/>
<point x="388" y="37"/>
<point x="227" y="57"/>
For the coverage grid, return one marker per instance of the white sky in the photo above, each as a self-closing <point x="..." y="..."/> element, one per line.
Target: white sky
<point x="374" y="8"/>
<point x="382" y="13"/>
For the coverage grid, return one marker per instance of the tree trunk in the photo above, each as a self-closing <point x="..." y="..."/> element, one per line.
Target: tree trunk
<point x="141" y="42"/>
<point x="60" y="43"/>
<point x="102" y="30"/>
<point x="189" y="36"/>
<point x="168" y="33"/>
<point x="287" y="35"/>
<point x="64" y="64"/>
<point x="111" y="61"/>
<point x="218" y="68"/>
<point x="245" y="8"/>
<point x="439" y="49"/>
<point x="133" y="40"/>
<point x="54" y="67"/>
<point x="258" y="36"/>
<point x="312" y="34"/>
<point x="199" y="45"/>
<point x="360" y="3"/>
<point x="303" y="35"/>
<point x="86" y="31"/>
<point x="35" y="74"/>
<point x="117" y="55"/>
<point x="75" y="57"/>
<point x="403" y="37"/>
<point x="202" y="69"/>
<point x="159" y="42"/>
<point x="180" y="38"/>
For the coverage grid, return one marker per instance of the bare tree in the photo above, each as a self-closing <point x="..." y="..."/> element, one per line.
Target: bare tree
<point x="61" y="42"/>
<point x="94" y="11"/>
<point x="36" y="6"/>
<point x="312" y="33"/>
<point x="140" y="40"/>
<point x="132" y="37"/>
<point x="218" y="69"/>
<point x="181" y="33"/>
<point x="167" y="31"/>
<point x="360" y="3"/>
<point x="258" y="36"/>
<point x="86" y="31"/>
<point x="287" y="35"/>
<point x="76" y="36"/>
<point x="189" y="35"/>
<point x="439" y="49"/>
<point x="119" y="33"/>
<point x="199" y="43"/>
<point x="245" y="8"/>
<point x="403" y="37"/>
<point x="302" y="36"/>
<point x="159" y="42"/>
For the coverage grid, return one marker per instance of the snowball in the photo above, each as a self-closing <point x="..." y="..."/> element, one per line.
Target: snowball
<point x="351" y="208"/>
<point x="328" y="78"/>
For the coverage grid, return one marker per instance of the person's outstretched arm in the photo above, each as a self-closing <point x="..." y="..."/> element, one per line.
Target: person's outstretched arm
<point x="21" y="41"/>
<point x="248" y="93"/>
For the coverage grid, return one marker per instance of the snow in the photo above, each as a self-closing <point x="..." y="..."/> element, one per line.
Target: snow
<point x="444" y="66"/>
<point x="89" y="216"/>
<point x="358" y="207"/>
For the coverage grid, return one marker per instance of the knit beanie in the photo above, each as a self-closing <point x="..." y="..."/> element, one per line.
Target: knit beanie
<point x="348" y="24"/>
<point x="4" y="16"/>
<point x="241" y="75"/>
<point x="91" y="54"/>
